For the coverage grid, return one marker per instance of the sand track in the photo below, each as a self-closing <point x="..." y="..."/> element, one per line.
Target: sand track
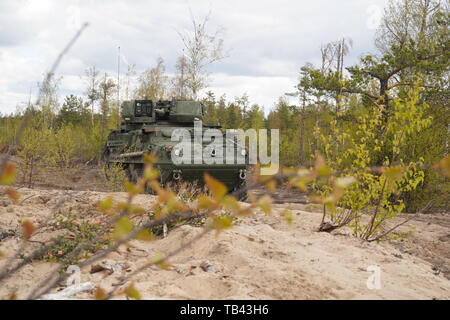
<point x="260" y="258"/>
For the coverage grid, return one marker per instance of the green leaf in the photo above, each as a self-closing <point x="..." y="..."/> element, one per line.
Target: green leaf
<point x="221" y="223"/>
<point x="132" y="292"/>
<point x="8" y="176"/>
<point x="319" y="162"/>
<point x="122" y="228"/>
<point x="136" y="210"/>
<point x="217" y="188"/>
<point x="444" y="165"/>
<point x="271" y="186"/>
<point x="132" y="189"/>
<point x="159" y="261"/>
<point x="150" y="173"/>
<point x="394" y="173"/>
<point x="324" y="171"/>
<point x="231" y="203"/>
<point x="265" y="204"/>
<point x="287" y="214"/>
<point x="150" y="158"/>
<point x="145" y="235"/>
<point x="105" y="205"/>
<point x="100" y="294"/>
<point x="344" y="182"/>
<point x="205" y="202"/>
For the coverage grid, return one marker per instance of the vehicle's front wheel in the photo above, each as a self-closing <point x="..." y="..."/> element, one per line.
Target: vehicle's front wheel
<point x="241" y="192"/>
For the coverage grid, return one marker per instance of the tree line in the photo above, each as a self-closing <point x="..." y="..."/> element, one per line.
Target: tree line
<point x="410" y="67"/>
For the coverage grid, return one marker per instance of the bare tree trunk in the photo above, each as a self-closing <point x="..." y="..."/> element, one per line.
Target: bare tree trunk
<point x="301" y="148"/>
<point x="30" y="177"/>
<point x="447" y="144"/>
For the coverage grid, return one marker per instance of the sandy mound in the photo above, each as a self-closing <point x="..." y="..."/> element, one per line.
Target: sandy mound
<point x="260" y="258"/>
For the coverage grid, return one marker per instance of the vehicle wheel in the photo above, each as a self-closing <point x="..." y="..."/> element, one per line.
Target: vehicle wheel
<point x="106" y="167"/>
<point x="135" y="172"/>
<point x="241" y="195"/>
<point x="127" y="170"/>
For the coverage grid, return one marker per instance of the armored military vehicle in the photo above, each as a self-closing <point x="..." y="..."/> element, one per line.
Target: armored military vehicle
<point x="148" y="126"/>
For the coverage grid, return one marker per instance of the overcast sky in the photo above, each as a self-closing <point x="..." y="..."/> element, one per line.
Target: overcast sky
<point x="267" y="41"/>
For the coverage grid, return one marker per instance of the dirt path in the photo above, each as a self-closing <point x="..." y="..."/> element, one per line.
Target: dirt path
<point x="260" y="258"/>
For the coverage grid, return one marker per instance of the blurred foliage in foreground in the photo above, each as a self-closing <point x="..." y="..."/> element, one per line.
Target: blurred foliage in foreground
<point x="334" y="104"/>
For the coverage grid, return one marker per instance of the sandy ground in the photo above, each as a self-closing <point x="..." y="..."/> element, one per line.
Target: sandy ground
<point x="262" y="257"/>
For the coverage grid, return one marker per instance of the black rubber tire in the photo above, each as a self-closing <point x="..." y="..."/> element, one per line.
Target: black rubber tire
<point x="242" y="195"/>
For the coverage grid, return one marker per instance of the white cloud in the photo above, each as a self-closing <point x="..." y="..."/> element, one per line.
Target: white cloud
<point x="268" y="41"/>
<point x="236" y="86"/>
